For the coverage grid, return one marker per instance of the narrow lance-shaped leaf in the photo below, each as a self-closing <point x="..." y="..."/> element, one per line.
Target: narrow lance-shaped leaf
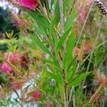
<point x="78" y="79"/>
<point x="56" y="17"/>
<point x="40" y="44"/>
<point x="70" y="21"/>
<point x="62" y="39"/>
<point x="69" y="48"/>
<point x="41" y="20"/>
<point x="67" y="5"/>
<point x="71" y="72"/>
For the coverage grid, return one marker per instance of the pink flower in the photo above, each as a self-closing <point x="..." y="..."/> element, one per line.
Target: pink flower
<point x="13" y="56"/>
<point x="75" y="51"/>
<point x="81" y="12"/>
<point x="17" y="86"/>
<point x="89" y="2"/>
<point x="30" y="4"/>
<point x="5" y="68"/>
<point x="36" y="95"/>
<point x="82" y="9"/>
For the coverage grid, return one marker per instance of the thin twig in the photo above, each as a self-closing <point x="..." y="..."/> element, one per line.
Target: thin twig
<point x="97" y="93"/>
<point x="61" y="15"/>
<point x="85" y="23"/>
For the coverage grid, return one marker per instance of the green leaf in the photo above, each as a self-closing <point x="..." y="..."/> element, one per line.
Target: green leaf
<point x="56" y="17"/>
<point x="57" y="76"/>
<point x="40" y="44"/>
<point x="67" y="5"/>
<point x="78" y="79"/>
<point x="71" y="72"/>
<point x="70" y="21"/>
<point x="61" y="91"/>
<point x="52" y="35"/>
<point x="41" y="20"/>
<point x="69" y="48"/>
<point x="39" y="29"/>
<point x="62" y="40"/>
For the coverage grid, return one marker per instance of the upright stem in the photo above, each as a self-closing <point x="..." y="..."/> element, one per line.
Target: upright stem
<point x="61" y="15"/>
<point x="66" y="100"/>
<point x="96" y="94"/>
<point x="65" y="90"/>
<point x="63" y="71"/>
<point x="81" y="32"/>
